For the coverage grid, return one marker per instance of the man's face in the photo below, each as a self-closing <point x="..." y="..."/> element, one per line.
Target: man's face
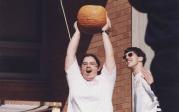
<point x="131" y="59"/>
<point x="89" y="68"/>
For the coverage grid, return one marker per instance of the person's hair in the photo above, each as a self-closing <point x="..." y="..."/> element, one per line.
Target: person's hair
<point x="138" y="52"/>
<point x="90" y="55"/>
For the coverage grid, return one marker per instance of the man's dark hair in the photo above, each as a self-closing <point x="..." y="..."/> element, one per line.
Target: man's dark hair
<point x="138" y="52"/>
<point x="89" y="55"/>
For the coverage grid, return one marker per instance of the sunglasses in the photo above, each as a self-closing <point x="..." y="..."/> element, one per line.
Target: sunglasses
<point x="129" y="55"/>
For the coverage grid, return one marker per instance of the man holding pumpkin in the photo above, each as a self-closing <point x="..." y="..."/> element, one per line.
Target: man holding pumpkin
<point x="88" y="90"/>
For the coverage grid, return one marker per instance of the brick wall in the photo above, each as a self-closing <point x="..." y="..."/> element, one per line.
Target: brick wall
<point x="119" y="12"/>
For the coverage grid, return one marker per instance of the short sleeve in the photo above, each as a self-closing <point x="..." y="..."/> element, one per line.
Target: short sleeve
<point x="74" y="68"/>
<point x="73" y="74"/>
<point x="109" y="75"/>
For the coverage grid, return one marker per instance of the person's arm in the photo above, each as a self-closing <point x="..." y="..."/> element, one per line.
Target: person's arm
<point x="72" y="48"/>
<point x="109" y="53"/>
<point x="147" y="76"/>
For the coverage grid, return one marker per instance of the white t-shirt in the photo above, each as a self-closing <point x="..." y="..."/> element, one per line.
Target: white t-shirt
<point x="90" y="96"/>
<point x="144" y="99"/>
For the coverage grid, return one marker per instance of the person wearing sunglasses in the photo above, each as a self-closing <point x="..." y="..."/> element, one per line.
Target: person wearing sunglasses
<point x="88" y="90"/>
<point x="162" y="35"/>
<point x="144" y="99"/>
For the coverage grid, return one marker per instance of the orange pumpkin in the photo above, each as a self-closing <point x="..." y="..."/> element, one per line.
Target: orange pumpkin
<point x="91" y="18"/>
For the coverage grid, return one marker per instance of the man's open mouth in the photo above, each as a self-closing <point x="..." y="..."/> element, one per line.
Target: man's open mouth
<point x="88" y="70"/>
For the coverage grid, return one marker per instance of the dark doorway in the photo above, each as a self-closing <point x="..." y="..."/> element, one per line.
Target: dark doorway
<point x="33" y="42"/>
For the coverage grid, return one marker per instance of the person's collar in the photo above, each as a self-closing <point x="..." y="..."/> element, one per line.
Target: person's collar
<point x="138" y="73"/>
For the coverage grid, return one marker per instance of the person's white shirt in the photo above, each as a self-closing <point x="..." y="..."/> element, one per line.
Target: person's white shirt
<point x="144" y="99"/>
<point x="90" y="96"/>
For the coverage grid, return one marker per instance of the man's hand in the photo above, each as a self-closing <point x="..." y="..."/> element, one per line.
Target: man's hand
<point x="76" y="26"/>
<point x="107" y="26"/>
<point x="148" y="76"/>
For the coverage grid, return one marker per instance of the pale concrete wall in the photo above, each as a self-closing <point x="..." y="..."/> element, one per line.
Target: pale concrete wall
<point x="139" y="22"/>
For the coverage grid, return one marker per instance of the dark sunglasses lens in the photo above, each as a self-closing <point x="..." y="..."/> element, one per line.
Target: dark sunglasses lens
<point x="130" y="54"/>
